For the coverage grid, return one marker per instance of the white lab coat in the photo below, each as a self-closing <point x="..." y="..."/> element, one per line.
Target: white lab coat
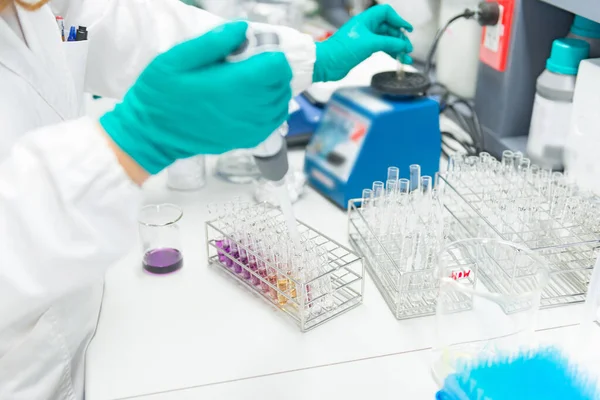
<point x="67" y="209"/>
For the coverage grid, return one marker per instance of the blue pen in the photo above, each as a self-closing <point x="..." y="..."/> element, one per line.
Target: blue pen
<point x="72" y="34"/>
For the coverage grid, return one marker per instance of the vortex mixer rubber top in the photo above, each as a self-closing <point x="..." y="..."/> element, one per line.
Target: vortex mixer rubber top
<point x="413" y="83"/>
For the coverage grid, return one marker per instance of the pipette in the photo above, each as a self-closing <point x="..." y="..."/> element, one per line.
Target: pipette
<point x="271" y="155"/>
<point x="399" y="68"/>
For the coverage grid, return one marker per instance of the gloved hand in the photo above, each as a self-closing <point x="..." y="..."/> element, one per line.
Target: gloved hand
<point x="377" y="29"/>
<point x="189" y="101"/>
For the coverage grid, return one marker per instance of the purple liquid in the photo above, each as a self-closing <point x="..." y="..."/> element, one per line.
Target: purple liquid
<point x="222" y="249"/>
<point x="163" y="261"/>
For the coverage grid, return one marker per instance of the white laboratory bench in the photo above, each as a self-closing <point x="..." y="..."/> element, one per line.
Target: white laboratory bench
<point x="196" y="334"/>
<point x="389" y="377"/>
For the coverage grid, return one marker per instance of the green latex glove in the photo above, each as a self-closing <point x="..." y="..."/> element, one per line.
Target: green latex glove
<point x="377" y="29"/>
<point x="190" y="101"/>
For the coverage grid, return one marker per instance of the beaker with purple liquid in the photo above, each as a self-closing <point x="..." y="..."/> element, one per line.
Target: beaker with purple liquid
<point x="160" y="237"/>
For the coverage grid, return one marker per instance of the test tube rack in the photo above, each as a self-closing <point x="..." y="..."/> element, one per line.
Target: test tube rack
<point x="399" y="228"/>
<point x="509" y="200"/>
<point x="538" y="209"/>
<point x="311" y="285"/>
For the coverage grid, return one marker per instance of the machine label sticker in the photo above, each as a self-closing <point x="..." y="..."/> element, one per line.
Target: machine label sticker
<point x="492" y="34"/>
<point x="370" y="103"/>
<point x="338" y="141"/>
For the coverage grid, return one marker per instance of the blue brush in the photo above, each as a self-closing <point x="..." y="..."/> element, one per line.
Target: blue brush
<point x="544" y="374"/>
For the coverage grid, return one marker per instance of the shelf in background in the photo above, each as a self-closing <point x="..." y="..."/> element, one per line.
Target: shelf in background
<point x="586" y="8"/>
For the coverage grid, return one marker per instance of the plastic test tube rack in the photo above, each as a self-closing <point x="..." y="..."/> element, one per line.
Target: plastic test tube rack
<point x="539" y="209"/>
<point x="399" y="228"/>
<point x="311" y="285"/>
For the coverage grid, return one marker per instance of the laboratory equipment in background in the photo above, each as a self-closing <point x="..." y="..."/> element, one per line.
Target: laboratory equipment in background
<point x="582" y="157"/>
<point x="366" y="129"/>
<point x="423" y="16"/>
<point x="588" y="30"/>
<point x="399" y="228"/>
<point x="311" y="283"/>
<point x="160" y="238"/>
<point x="458" y="49"/>
<point x="489" y="295"/>
<point x="303" y="121"/>
<point x="228" y="9"/>
<point x="551" y="118"/>
<point x="275" y="12"/>
<point x="338" y="12"/>
<point x="187" y="174"/>
<point x="512" y="56"/>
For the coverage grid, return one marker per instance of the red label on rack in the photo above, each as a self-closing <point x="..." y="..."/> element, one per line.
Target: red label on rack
<point x="495" y="40"/>
<point x="457" y="275"/>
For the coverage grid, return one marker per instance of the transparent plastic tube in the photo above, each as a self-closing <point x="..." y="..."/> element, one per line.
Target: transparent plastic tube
<point x="415" y="176"/>
<point x="378" y="193"/>
<point x="508" y="161"/>
<point x="426" y="186"/>
<point x="391" y="188"/>
<point x="525" y="164"/>
<point x="367" y="198"/>
<point x="403" y="186"/>
<point x="393" y="174"/>
<point x="377" y="189"/>
<point x="518" y="156"/>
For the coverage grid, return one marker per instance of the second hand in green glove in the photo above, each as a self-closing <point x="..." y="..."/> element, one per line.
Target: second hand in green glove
<point x="379" y="28"/>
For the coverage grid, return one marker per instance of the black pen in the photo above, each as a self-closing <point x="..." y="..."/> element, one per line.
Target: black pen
<point x="81" y="34"/>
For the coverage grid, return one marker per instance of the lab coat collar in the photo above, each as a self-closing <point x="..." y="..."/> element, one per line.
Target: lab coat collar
<point x="41" y="62"/>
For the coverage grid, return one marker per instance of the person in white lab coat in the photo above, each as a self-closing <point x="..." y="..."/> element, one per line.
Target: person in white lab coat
<point x="69" y="186"/>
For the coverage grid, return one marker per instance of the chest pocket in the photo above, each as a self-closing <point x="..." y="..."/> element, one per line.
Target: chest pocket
<point x="76" y="56"/>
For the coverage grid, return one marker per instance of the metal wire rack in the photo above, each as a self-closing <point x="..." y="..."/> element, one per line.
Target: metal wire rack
<point x="309" y="292"/>
<point x="537" y="209"/>
<point x="408" y="293"/>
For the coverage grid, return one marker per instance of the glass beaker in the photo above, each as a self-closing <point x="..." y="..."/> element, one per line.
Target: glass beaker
<point x="187" y="174"/>
<point x="237" y="166"/>
<point x="161" y="242"/>
<point x="488" y="299"/>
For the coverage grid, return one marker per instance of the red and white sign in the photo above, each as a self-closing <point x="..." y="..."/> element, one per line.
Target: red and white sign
<point x="495" y="40"/>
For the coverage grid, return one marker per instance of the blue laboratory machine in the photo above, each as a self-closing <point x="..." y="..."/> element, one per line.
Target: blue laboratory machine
<point x="365" y="130"/>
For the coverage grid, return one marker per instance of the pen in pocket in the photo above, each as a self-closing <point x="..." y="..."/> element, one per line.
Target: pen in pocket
<point x="61" y="26"/>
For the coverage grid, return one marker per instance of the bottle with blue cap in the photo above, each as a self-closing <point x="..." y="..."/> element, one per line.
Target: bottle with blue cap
<point x="551" y="117"/>
<point x="589" y="31"/>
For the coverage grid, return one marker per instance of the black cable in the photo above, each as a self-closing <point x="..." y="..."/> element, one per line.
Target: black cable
<point x="475" y="120"/>
<point x="467" y="147"/>
<point x="465" y="126"/>
<point x="466" y="14"/>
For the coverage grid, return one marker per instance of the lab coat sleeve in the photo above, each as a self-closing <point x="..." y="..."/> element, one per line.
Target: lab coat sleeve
<point x="125" y="35"/>
<point x="67" y="212"/>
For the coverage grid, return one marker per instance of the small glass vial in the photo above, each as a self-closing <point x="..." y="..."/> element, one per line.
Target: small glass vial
<point x="160" y="237"/>
<point x="187" y="174"/>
